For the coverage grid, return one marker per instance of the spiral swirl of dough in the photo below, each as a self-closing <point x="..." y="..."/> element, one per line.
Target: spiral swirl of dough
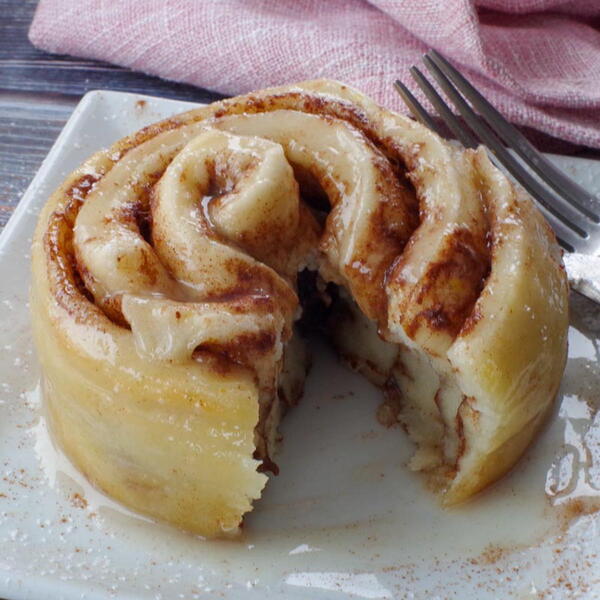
<point x="165" y="292"/>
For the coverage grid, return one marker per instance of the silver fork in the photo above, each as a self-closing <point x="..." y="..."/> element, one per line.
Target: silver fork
<point x="573" y="212"/>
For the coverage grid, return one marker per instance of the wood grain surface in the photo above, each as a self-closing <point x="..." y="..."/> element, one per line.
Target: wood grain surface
<point x="38" y="92"/>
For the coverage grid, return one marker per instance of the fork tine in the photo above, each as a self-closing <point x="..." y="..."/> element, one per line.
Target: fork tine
<point x="416" y="108"/>
<point x="489" y="138"/>
<point x="568" y="240"/>
<point x="460" y="132"/>
<point x="570" y="190"/>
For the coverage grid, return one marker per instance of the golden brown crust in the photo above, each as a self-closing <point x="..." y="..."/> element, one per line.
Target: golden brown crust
<point x="168" y="235"/>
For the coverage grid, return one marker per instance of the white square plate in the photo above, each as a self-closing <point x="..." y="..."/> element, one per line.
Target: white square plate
<point x="344" y="519"/>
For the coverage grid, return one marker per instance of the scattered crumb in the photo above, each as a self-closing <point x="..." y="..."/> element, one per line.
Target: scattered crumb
<point x="78" y="501"/>
<point x="492" y="554"/>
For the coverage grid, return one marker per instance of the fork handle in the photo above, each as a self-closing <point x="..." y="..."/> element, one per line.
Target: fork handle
<point x="583" y="271"/>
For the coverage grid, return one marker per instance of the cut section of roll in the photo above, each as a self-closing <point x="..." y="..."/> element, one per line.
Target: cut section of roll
<point x="165" y="298"/>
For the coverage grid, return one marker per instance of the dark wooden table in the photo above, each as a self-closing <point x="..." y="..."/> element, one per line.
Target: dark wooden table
<point x="38" y="92"/>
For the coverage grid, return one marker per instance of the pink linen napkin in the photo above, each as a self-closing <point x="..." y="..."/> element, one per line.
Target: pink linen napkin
<point x="538" y="61"/>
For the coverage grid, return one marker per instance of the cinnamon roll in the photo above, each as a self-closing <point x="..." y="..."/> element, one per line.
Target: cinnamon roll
<point x="166" y="302"/>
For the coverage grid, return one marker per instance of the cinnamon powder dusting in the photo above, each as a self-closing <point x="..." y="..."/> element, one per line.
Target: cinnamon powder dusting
<point x="78" y="501"/>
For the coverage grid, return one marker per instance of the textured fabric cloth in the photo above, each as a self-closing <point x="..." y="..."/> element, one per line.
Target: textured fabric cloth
<point x="538" y="61"/>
